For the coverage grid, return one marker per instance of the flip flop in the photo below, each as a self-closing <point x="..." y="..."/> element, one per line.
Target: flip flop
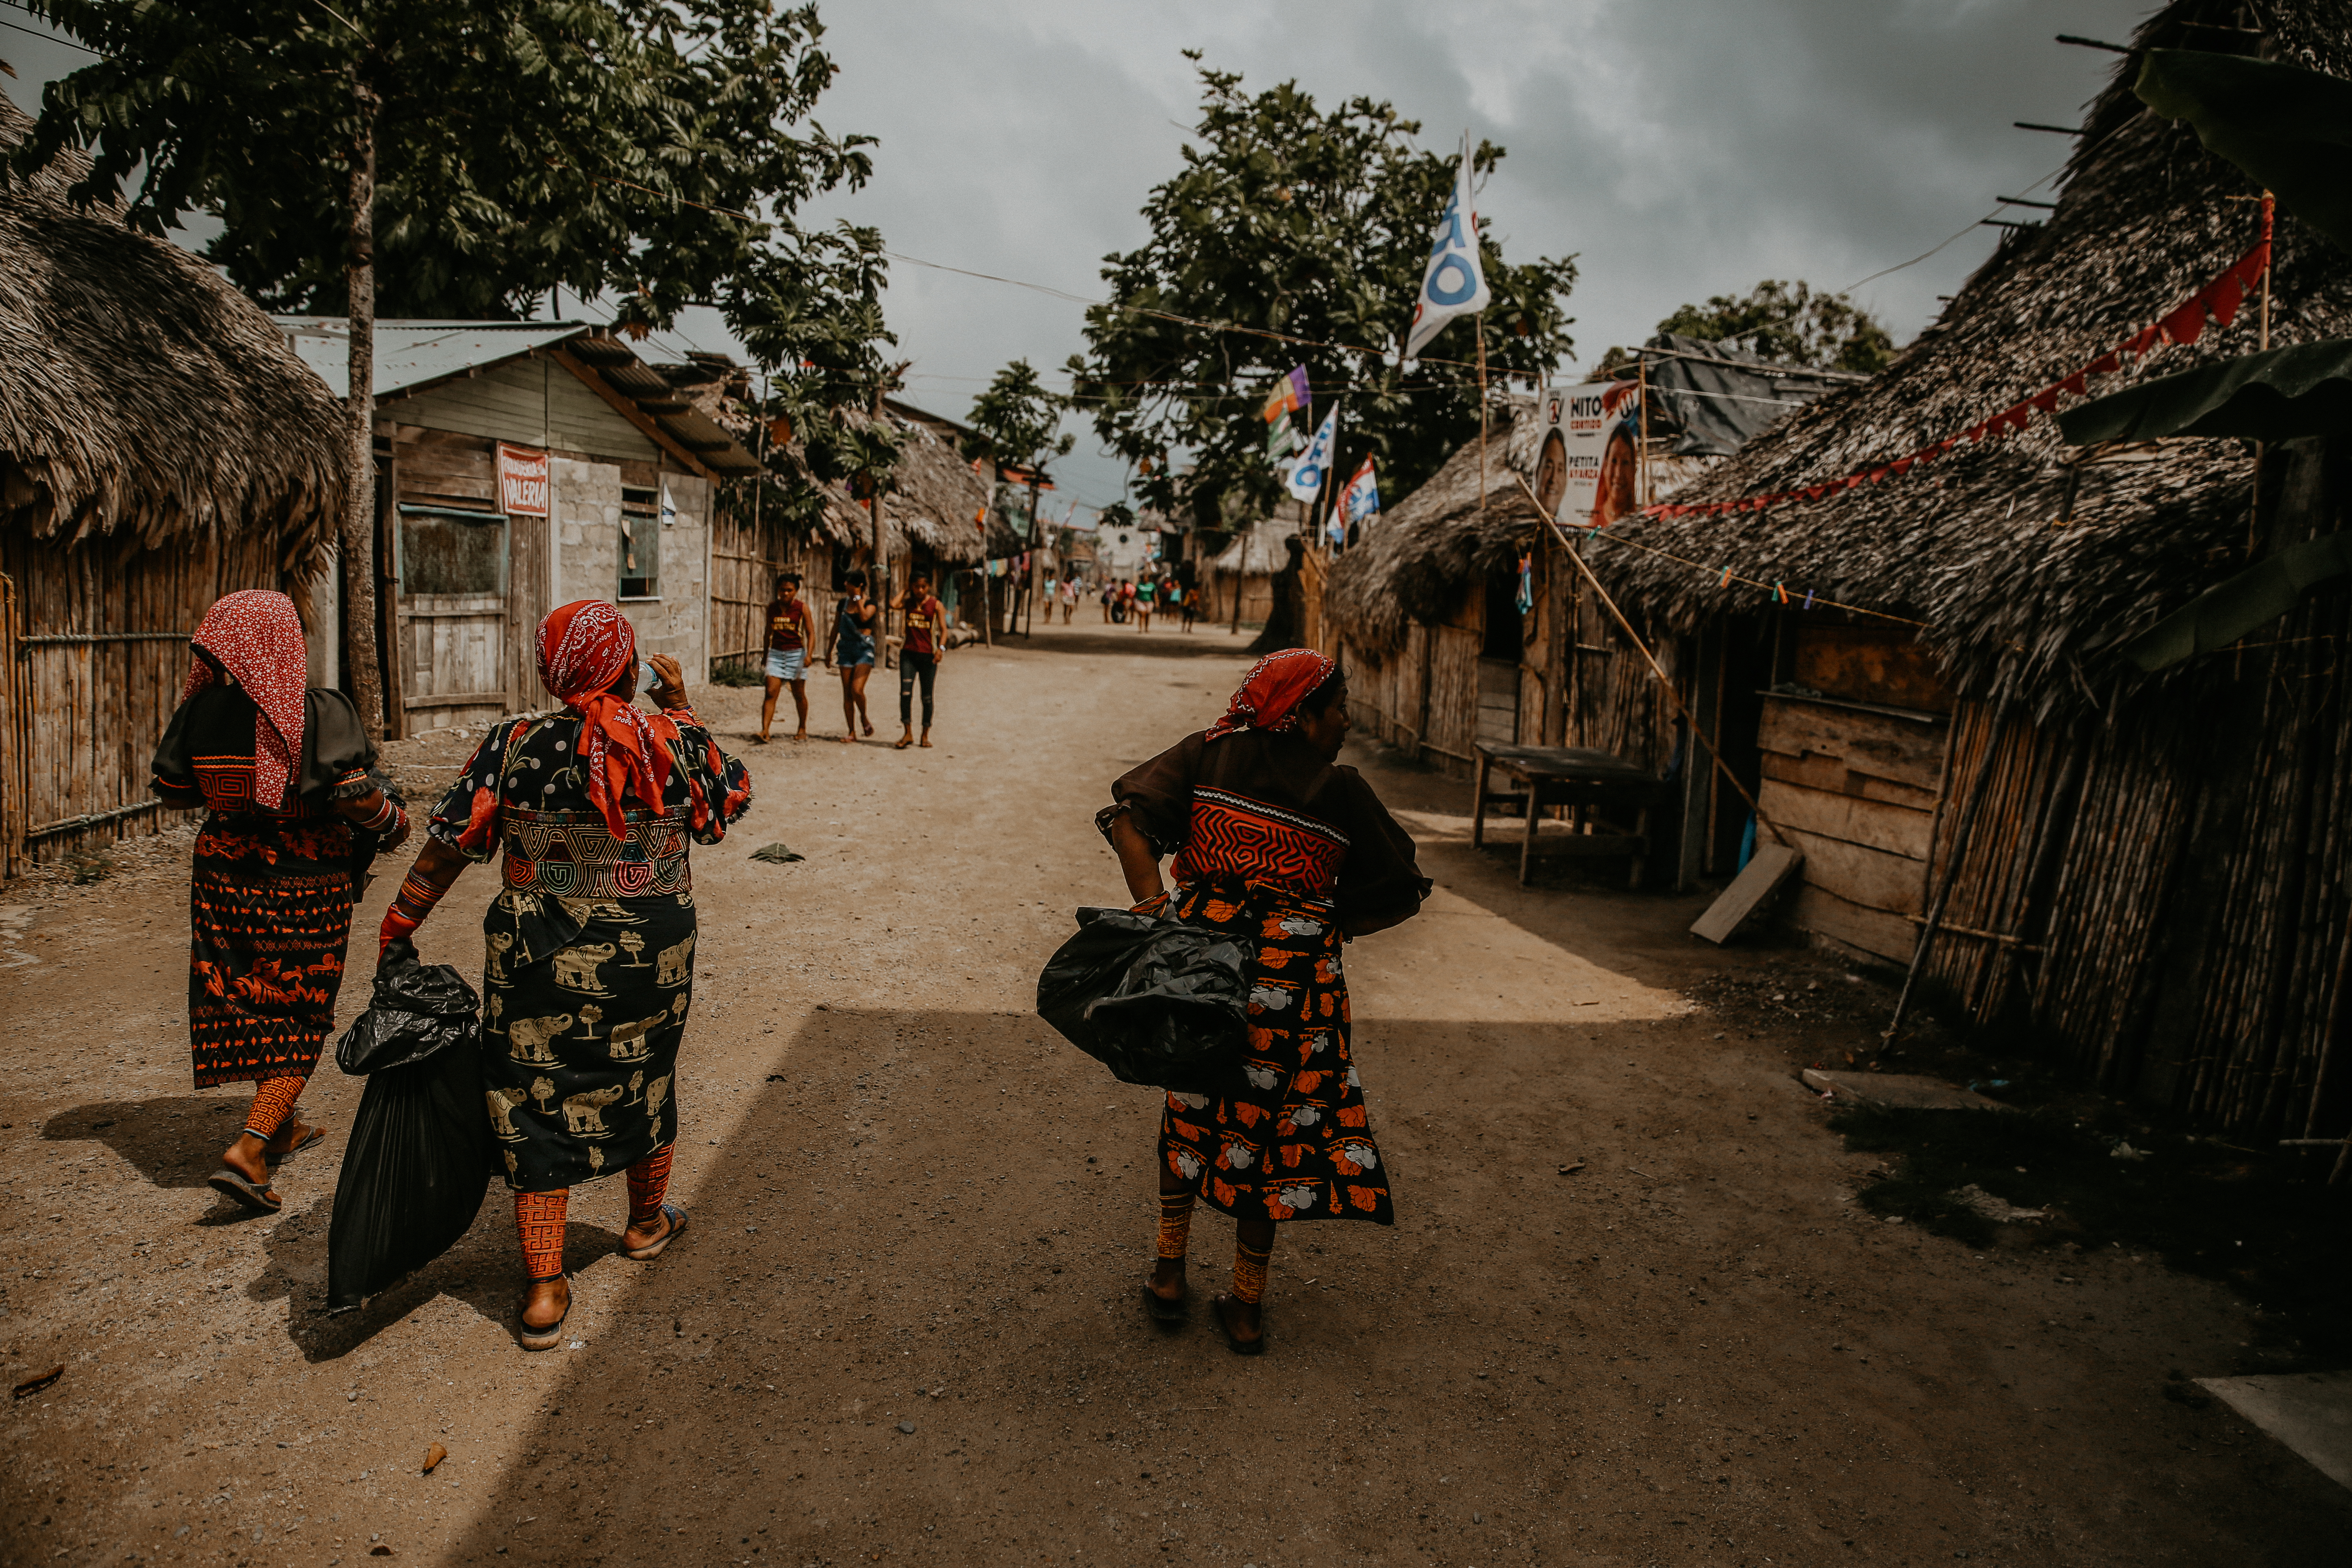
<point x="316" y="1133"/>
<point x="900" y="745"/>
<point x="545" y="1339"/>
<point x="1240" y="1346"/>
<point x="653" y="1249"/>
<point x="1162" y="1310"/>
<point x="252" y="1194"/>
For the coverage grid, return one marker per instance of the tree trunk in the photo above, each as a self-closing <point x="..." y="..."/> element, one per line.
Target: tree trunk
<point x="361" y="570"/>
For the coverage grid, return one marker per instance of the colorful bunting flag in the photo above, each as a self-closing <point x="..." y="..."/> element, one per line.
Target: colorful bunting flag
<point x="1289" y="393"/>
<point x="1281" y="441"/>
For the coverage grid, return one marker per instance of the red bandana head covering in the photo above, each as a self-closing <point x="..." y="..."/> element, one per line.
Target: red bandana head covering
<point x="258" y="638"/>
<point x="582" y="650"/>
<point x="1269" y="698"/>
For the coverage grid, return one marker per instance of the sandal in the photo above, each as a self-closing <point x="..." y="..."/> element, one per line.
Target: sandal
<point x="312" y="1136"/>
<point x="1161" y="1308"/>
<point x="900" y="745"/>
<point x="1240" y="1346"/>
<point x="653" y="1249"/>
<point x="233" y="1184"/>
<point x="545" y="1339"/>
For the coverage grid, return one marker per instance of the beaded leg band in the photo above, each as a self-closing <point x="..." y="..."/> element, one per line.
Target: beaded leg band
<point x="1175" y="1225"/>
<point x="539" y="1220"/>
<point x="273" y="1102"/>
<point x="1249" y="1272"/>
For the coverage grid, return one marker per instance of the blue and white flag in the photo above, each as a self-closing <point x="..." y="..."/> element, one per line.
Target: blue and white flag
<point x="1361" y="501"/>
<point x="1308" y="474"/>
<point x="1455" y="284"/>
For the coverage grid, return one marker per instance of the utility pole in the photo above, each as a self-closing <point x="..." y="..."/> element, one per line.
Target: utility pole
<point x="1037" y="549"/>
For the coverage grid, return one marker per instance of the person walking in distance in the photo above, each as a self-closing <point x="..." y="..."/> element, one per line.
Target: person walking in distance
<point x="920" y="656"/>
<point x="1069" y="598"/>
<point x="1147" y="593"/>
<point x="1109" y="592"/>
<point x="590" y="970"/>
<point x="791" y="629"/>
<point x="1292" y="856"/>
<point x="851" y="650"/>
<point x="293" y="816"/>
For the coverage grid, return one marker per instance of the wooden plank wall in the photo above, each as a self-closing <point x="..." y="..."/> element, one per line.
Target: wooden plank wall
<point x="1855" y="792"/>
<point x="83" y="719"/>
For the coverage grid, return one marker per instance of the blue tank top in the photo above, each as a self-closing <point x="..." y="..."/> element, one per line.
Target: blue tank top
<point x="853" y="645"/>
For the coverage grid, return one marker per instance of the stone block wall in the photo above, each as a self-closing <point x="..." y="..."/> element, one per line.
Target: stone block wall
<point x="587" y="500"/>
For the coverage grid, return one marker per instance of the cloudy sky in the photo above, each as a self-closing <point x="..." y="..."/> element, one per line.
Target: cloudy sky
<point x="1678" y="148"/>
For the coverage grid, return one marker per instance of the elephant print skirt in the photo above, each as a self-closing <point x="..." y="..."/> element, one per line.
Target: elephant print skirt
<point x="583" y="1004"/>
<point x="1290" y="1138"/>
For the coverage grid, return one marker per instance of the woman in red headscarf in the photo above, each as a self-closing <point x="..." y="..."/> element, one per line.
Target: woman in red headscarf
<point x="293" y="819"/>
<point x="590" y="969"/>
<point x="1294" y="855"/>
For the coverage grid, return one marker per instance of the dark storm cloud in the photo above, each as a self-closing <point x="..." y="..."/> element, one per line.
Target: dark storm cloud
<point x="1679" y="148"/>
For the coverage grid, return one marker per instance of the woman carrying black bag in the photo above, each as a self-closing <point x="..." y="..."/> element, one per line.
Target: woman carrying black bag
<point x="1292" y="855"/>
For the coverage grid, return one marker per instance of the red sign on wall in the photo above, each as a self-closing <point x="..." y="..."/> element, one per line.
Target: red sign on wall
<point x="522" y="481"/>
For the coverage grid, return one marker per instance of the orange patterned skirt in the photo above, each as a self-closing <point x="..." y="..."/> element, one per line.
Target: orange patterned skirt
<point x="269" y="916"/>
<point x="1290" y="1138"/>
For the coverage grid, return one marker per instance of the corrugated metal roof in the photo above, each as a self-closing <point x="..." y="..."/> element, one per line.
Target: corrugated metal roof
<point x="414" y="353"/>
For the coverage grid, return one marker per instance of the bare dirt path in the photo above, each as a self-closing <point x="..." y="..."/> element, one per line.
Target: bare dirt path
<point x="904" y="1324"/>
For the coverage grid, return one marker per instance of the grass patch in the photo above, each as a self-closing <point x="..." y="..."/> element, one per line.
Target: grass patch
<point x="736" y="672"/>
<point x="2203" y="1206"/>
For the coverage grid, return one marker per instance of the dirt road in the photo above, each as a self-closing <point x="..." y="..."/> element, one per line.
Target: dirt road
<point x="1629" y="1313"/>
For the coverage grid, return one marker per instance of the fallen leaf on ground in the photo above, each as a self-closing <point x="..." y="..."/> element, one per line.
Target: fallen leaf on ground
<point x="434" y="1456"/>
<point x="35" y="1385"/>
<point x="1572" y="1169"/>
<point x="776" y="855"/>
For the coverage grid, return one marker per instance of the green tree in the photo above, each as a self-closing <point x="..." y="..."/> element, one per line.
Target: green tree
<point x="1018" y="420"/>
<point x="1791" y="324"/>
<point x="1289" y="222"/>
<point x="464" y="160"/>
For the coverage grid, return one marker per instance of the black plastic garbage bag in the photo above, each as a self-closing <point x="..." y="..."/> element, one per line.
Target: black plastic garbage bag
<point x="420" y="1155"/>
<point x="1156" y="1000"/>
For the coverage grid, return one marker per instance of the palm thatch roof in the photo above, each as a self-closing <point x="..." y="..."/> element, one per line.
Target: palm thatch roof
<point x="144" y="396"/>
<point x="932" y="502"/>
<point x="2028" y="561"/>
<point x="935" y="498"/>
<point x="1414" y="562"/>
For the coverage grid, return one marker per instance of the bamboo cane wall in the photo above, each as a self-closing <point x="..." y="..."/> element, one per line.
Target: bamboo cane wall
<point x="78" y="722"/>
<point x="2159" y="906"/>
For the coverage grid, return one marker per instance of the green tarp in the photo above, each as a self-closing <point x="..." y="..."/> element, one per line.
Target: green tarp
<point x="2276" y="396"/>
<point x="2252" y="599"/>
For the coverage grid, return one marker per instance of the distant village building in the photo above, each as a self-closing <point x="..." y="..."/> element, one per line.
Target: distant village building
<point x="159" y="446"/>
<point x="522" y="465"/>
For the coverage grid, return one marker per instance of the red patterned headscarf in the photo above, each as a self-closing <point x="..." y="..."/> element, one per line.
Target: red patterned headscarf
<point x="257" y="636"/>
<point x="1269" y="698"/>
<point x="582" y="650"/>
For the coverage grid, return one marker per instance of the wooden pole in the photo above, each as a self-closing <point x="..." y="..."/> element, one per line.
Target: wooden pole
<point x="359" y="535"/>
<point x="1480" y="320"/>
<point x="1641" y="452"/>
<point x="1652" y="659"/>
<point x="1960" y="835"/>
<point x="1036" y="551"/>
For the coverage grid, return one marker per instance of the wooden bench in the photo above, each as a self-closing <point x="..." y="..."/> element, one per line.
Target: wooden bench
<point x="1573" y="776"/>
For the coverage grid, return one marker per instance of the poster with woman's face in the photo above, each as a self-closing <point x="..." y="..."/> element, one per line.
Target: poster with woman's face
<point x="1585" y="469"/>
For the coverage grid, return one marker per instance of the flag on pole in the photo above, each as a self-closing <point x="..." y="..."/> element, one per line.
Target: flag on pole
<point x="1361" y="501"/>
<point x="1281" y="441"/>
<point x="1289" y="393"/>
<point x="1306" y="476"/>
<point x="1455" y="284"/>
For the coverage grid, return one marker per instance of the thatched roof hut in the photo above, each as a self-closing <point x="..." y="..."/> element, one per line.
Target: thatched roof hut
<point x="158" y="444"/>
<point x="2029" y="561"/>
<point x="1415" y="560"/>
<point x="145" y="396"/>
